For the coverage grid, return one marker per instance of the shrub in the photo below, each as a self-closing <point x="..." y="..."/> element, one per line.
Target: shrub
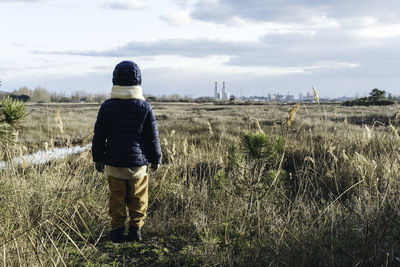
<point x="12" y="110"/>
<point x="254" y="163"/>
<point x="376" y="98"/>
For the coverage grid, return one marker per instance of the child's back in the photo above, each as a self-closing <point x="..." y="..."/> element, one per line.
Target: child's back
<point x="125" y="141"/>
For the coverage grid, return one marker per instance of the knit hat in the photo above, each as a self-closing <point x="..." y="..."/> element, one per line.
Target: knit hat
<point x="127" y="73"/>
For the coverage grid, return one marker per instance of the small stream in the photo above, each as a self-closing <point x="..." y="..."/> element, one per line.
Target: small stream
<point x="43" y="156"/>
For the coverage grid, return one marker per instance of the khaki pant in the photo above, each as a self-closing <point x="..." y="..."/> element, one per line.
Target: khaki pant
<point x="131" y="193"/>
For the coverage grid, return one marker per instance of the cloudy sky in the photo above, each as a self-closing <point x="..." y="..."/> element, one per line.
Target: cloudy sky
<point x="258" y="47"/>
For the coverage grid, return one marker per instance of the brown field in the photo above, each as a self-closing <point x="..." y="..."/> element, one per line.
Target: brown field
<point x="238" y="186"/>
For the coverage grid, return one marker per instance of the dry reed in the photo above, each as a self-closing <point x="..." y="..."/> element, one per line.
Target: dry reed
<point x="368" y="133"/>
<point x="185" y="147"/>
<point x="316" y="98"/>
<point x="210" y="130"/>
<point x="219" y="216"/>
<point x="258" y="125"/>
<point x="335" y="113"/>
<point x="59" y="122"/>
<point x="396" y="117"/>
<point x="292" y="114"/>
<point x="393" y="130"/>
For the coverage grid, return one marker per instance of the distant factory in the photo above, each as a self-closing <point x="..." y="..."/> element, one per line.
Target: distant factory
<point x="224" y="95"/>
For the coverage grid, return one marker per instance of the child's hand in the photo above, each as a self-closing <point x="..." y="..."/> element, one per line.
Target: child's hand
<point x="154" y="167"/>
<point x="99" y="166"/>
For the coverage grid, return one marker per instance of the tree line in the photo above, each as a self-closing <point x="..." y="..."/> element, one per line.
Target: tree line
<point x="42" y="95"/>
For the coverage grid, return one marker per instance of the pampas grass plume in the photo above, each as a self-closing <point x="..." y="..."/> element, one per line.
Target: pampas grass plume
<point x="292" y="114"/>
<point x="315" y="95"/>
<point x="368" y="133"/>
<point x="46" y="146"/>
<point x="173" y="149"/>
<point x="69" y="144"/>
<point x="210" y="130"/>
<point x="258" y="125"/>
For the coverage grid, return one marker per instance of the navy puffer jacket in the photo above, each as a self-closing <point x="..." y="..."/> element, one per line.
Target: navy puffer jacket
<point x="126" y="134"/>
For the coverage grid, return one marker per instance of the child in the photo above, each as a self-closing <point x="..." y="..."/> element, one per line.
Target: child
<point x="125" y="141"/>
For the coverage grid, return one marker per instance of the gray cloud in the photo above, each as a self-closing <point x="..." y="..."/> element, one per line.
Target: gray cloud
<point x="253" y="10"/>
<point x="324" y="53"/>
<point x="304" y="11"/>
<point x="176" y="18"/>
<point x="124" y="5"/>
<point x="181" y="47"/>
<point x="182" y="3"/>
<point x="326" y="48"/>
<point x="329" y="56"/>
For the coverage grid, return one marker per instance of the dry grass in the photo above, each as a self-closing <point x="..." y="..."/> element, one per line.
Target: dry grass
<point x="332" y="200"/>
<point x="316" y="98"/>
<point x="54" y="124"/>
<point x="292" y="114"/>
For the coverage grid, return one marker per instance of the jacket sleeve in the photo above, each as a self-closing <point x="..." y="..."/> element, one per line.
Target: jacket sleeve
<point x="99" y="137"/>
<point x="152" y="142"/>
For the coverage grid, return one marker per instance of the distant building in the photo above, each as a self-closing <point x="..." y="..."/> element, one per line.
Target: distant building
<point x="307" y="98"/>
<point x="224" y="95"/>
<point x="216" y="93"/>
<point x="289" y="98"/>
<point x="275" y="97"/>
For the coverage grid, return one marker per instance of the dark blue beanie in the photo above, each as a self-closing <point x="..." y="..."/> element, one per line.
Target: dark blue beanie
<point x="127" y="73"/>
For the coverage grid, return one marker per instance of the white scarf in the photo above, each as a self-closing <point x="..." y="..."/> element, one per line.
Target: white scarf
<point x="127" y="92"/>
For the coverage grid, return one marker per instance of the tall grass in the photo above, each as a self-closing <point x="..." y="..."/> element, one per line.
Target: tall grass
<point x="254" y="192"/>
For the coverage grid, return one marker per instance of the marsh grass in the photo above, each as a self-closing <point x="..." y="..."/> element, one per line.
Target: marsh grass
<point x="317" y="193"/>
<point x="54" y="124"/>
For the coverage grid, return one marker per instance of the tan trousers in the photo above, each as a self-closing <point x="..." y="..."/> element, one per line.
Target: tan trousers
<point x="131" y="193"/>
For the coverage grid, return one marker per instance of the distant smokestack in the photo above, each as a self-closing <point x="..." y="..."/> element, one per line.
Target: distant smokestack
<point x="216" y="90"/>
<point x="224" y="93"/>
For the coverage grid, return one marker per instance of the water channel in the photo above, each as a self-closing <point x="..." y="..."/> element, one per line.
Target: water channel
<point x="42" y="156"/>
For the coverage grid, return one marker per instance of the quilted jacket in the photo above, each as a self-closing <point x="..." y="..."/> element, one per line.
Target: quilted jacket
<point x="126" y="134"/>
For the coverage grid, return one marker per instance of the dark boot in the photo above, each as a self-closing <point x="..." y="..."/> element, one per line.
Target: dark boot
<point x="134" y="234"/>
<point x="117" y="235"/>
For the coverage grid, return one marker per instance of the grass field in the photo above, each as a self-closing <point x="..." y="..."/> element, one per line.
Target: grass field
<point x="238" y="186"/>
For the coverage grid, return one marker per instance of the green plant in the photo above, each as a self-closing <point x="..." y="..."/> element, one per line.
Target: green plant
<point x="261" y="147"/>
<point x="12" y="110"/>
<point x="254" y="166"/>
<point x="11" y="113"/>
